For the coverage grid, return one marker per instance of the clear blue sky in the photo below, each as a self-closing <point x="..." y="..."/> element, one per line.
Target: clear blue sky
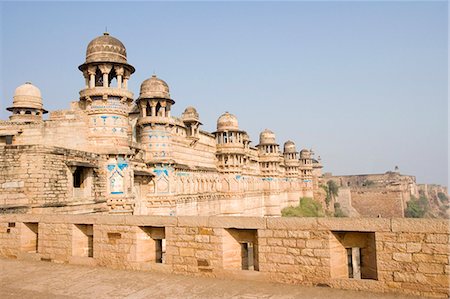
<point x="362" y="83"/>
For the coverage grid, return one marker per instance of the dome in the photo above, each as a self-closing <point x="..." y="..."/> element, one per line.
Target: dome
<point x="227" y="121"/>
<point x="190" y="114"/>
<point x="154" y="88"/>
<point x="27" y="96"/>
<point x="106" y="48"/>
<point x="305" y="154"/>
<point x="289" y="147"/>
<point x="267" y="137"/>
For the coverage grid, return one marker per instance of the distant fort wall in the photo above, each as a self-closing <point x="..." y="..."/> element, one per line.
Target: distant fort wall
<point x="409" y="256"/>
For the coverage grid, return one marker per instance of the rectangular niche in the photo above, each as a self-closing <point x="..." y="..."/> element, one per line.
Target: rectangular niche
<point x="151" y="244"/>
<point x="30" y="237"/>
<point x="83" y="240"/>
<point x="353" y="255"/>
<point x="240" y="249"/>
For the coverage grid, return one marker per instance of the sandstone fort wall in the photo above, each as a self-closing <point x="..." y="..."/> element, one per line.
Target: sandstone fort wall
<point x="408" y="256"/>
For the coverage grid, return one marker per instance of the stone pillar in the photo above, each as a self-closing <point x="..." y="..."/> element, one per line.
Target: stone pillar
<point x="119" y="73"/>
<point x="153" y="106"/>
<point x="163" y="108"/>
<point x="144" y="108"/>
<point x="91" y="73"/>
<point x="126" y="77"/>
<point x="105" y="69"/>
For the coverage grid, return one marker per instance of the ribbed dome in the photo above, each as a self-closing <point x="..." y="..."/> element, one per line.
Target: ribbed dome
<point x="289" y="147"/>
<point x="106" y="48"/>
<point x="154" y="88"/>
<point x="305" y="154"/>
<point x="227" y="121"/>
<point x="267" y="137"/>
<point x="190" y="114"/>
<point x="27" y="96"/>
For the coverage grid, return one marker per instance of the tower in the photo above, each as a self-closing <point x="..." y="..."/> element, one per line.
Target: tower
<point x="27" y="104"/>
<point x="191" y="120"/>
<point x="269" y="154"/>
<point x="230" y="144"/>
<point x="155" y="121"/>
<point x="106" y="97"/>
<point x="306" y="172"/>
<point x="291" y="161"/>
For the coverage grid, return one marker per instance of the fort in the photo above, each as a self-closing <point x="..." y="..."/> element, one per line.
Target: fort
<point x="111" y="153"/>
<point x="120" y="182"/>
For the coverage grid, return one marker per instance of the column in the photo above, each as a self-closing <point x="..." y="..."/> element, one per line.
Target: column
<point x="144" y="108"/>
<point x="105" y="69"/>
<point x="163" y="108"/>
<point x="153" y="106"/>
<point x="119" y="73"/>
<point x="91" y="73"/>
<point x="126" y="76"/>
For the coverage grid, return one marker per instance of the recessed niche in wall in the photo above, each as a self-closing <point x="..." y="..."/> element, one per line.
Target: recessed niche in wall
<point x="83" y="240"/>
<point x="29" y="237"/>
<point x="240" y="249"/>
<point x="353" y="255"/>
<point x="151" y="244"/>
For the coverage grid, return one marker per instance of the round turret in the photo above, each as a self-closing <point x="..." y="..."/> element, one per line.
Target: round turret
<point x="106" y="48"/>
<point x="305" y="154"/>
<point x="27" y="96"/>
<point x="289" y="147"/>
<point x="154" y="88"/>
<point x="267" y="137"/>
<point x="227" y="121"/>
<point x="190" y="114"/>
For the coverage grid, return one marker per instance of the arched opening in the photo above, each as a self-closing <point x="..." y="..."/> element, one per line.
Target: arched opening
<point x="112" y="78"/>
<point x="98" y="78"/>
<point x="158" y="110"/>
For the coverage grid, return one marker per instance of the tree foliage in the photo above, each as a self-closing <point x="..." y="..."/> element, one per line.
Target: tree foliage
<point x="331" y="191"/>
<point x="307" y="207"/>
<point x="442" y="197"/>
<point x="417" y="207"/>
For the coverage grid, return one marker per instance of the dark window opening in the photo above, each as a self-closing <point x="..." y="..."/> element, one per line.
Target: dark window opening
<point x="9" y="139"/>
<point x="78" y="178"/>
<point x="28" y="112"/>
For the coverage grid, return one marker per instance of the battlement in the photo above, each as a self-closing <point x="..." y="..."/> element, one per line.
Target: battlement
<point x="409" y="256"/>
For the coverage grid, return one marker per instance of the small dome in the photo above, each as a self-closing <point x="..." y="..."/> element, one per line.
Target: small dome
<point x="106" y="48"/>
<point x="190" y="114"/>
<point x="305" y="154"/>
<point x="267" y="137"/>
<point x="27" y="96"/>
<point x="289" y="147"/>
<point x="154" y="88"/>
<point x="227" y="121"/>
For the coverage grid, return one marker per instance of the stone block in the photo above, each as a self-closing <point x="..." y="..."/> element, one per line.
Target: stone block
<point x="413" y="247"/>
<point x="191" y="221"/>
<point x="292" y="223"/>
<point x="158" y="221"/>
<point x="238" y="222"/>
<point x="355" y="224"/>
<point x="420" y="225"/>
<point x="314" y="244"/>
<point x="402" y="257"/>
<point x="430" y="268"/>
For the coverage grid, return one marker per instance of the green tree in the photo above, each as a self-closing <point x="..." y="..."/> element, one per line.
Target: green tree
<point x="307" y="207"/>
<point x="331" y="191"/>
<point x="442" y="197"/>
<point x="417" y="207"/>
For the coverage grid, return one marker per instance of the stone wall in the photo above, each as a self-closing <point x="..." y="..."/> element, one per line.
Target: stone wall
<point x="371" y="202"/>
<point x="408" y="256"/>
<point x="35" y="177"/>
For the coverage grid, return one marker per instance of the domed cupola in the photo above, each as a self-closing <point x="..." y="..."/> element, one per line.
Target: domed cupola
<point x="227" y="122"/>
<point x="154" y="101"/>
<point x="27" y="104"/>
<point x="106" y="48"/>
<point x="155" y="88"/>
<point x="191" y="120"/>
